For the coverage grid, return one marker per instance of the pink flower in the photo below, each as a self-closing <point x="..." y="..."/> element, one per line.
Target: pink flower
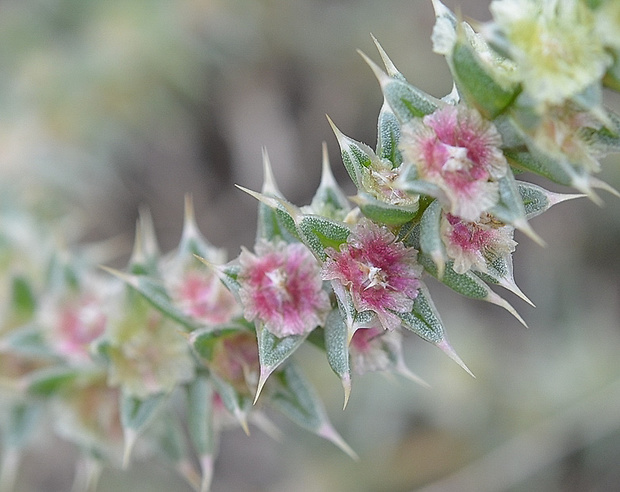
<point x="458" y="151"/>
<point x="381" y="274"/>
<point x="281" y="288"/>
<point x="473" y="244"/>
<point x="201" y="295"/>
<point x="73" y="322"/>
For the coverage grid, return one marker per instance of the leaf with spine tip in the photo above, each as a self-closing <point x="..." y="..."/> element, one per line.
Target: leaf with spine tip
<point x="444" y="30"/>
<point x="356" y="156"/>
<point x="468" y="285"/>
<point x="430" y="236"/>
<point x="238" y="405"/>
<point x="227" y="274"/>
<point x="136" y="415"/>
<point x="155" y="293"/>
<point x="390" y="68"/>
<point x="21" y="419"/>
<point x="272" y="352"/>
<point x="203" y="340"/>
<point x="296" y="399"/>
<point x="480" y="74"/>
<point x="200" y="426"/>
<point x="537" y="200"/>
<point x="406" y="101"/>
<point x="510" y="209"/>
<point x="500" y="272"/>
<point x="272" y="221"/>
<point x="425" y="322"/>
<point x="388" y="136"/>
<point x="329" y="200"/>
<point x="319" y="233"/>
<point x="192" y="241"/>
<point x="337" y="350"/>
<point x="274" y="217"/>
<point x="50" y="380"/>
<point x="145" y="254"/>
<point x="383" y="212"/>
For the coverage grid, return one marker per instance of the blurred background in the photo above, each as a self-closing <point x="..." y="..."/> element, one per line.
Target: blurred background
<point x="109" y="105"/>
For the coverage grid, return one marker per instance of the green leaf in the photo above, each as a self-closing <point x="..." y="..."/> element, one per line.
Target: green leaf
<point x="356" y="156"/>
<point x="337" y="350"/>
<point x="136" y="415"/>
<point x="21" y="420"/>
<point x="383" y="212"/>
<point x="155" y="293"/>
<point x="298" y="401"/>
<point x="49" y="381"/>
<point x="388" y="136"/>
<point x="203" y="340"/>
<point x="537" y="200"/>
<point x="329" y="200"/>
<point x="430" y="236"/>
<point x="477" y="80"/>
<point x="272" y="352"/>
<point x="200" y="415"/>
<point x="425" y="322"/>
<point x="235" y="403"/>
<point x="467" y="284"/>
<point x="23" y="298"/>
<point x="319" y="233"/>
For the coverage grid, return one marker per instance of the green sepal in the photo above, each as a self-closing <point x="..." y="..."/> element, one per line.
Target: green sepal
<point x="204" y="340"/>
<point x="388" y="136"/>
<point x="424" y="321"/>
<point x="272" y="352"/>
<point x="356" y="156"/>
<point x="337" y="349"/>
<point x="475" y="78"/>
<point x="23" y="298"/>
<point x="200" y="425"/>
<point x="237" y="404"/>
<point x="50" y="381"/>
<point x="431" y="242"/>
<point x="155" y="293"/>
<point x="537" y="200"/>
<point x="21" y="419"/>
<point x="136" y="414"/>
<point x="409" y="182"/>
<point x="467" y="284"/>
<point x="383" y="212"/>
<point x="329" y="200"/>
<point x="200" y="415"/>
<point x="319" y="233"/>
<point x="295" y="398"/>
<point x="27" y="340"/>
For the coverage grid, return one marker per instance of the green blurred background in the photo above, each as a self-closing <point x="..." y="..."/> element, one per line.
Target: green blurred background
<point x="111" y="104"/>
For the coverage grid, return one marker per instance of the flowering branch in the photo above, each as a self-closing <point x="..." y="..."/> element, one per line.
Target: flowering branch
<point x="108" y="351"/>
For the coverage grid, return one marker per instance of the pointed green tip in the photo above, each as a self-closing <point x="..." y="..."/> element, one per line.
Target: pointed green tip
<point x="447" y="349"/>
<point x="496" y="299"/>
<point x="381" y="76"/>
<point x="389" y="65"/>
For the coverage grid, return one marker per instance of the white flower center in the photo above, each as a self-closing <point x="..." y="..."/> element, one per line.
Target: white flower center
<point x="457" y="159"/>
<point x="278" y="279"/>
<point x="375" y="276"/>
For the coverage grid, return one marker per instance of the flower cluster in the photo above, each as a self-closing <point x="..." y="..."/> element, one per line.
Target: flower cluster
<point x="114" y="350"/>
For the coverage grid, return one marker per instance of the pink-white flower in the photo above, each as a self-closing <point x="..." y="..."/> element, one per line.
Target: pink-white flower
<point x="201" y="295"/>
<point x="381" y="274"/>
<point x="457" y="150"/>
<point x="72" y="322"/>
<point x="281" y="288"/>
<point x="473" y="244"/>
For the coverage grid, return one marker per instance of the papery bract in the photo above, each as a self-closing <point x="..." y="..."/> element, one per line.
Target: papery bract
<point x="381" y="274"/>
<point x="281" y="288"/>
